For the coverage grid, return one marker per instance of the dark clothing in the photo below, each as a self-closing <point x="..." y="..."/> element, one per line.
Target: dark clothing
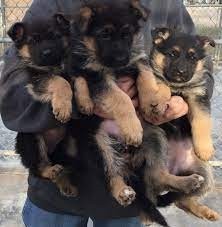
<point x="21" y="113"/>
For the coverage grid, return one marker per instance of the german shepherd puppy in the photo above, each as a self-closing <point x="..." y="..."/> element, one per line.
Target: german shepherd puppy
<point x="177" y="60"/>
<point x="104" y="49"/>
<point x="42" y="47"/>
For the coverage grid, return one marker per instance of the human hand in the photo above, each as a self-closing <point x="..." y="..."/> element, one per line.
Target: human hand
<point x="176" y="108"/>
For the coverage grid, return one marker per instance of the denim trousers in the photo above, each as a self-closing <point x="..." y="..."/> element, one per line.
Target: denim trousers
<point x="36" y="217"/>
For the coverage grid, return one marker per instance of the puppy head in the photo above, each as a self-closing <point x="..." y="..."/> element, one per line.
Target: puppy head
<point x="111" y="28"/>
<point x="41" y="42"/>
<point x="179" y="55"/>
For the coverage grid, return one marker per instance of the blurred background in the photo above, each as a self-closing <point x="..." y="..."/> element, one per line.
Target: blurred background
<point x="207" y="16"/>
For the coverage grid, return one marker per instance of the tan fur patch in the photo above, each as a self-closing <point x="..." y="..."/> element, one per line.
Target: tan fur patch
<point x="90" y="43"/>
<point x="159" y="60"/>
<point x="158" y="41"/>
<point x="86" y="12"/>
<point x="177" y="48"/>
<point x="199" y="66"/>
<point x="193" y="206"/>
<point x="84" y="102"/>
<point x="191" y="51"/>
<point x="59" y="92"/>
<point x="201" y="131"/>
<point x="118" y="106"/>
<point x="24" y="51"/>
<point x="61" y="95"/>
<point x="151" y="92"/>
<point x="50" y="172"/>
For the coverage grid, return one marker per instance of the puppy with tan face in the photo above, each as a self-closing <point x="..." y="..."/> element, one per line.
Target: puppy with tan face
<point x="177" y="60"/>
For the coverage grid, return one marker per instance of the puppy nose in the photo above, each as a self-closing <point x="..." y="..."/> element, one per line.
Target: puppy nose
<point x="46" y="52"/>
<point x="181" y="71"/>
<point x="121" y="58"/>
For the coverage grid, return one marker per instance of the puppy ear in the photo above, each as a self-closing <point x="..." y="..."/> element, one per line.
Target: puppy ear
<point x="205" y="41"/>
<point x="17" y="33"/>
<point x="139" y="10"/>
<point x="62" y="22"/>
<point x="85" y="17"/>
<point x="159" y="35"/>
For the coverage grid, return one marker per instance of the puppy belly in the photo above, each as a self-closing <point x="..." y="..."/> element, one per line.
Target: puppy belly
<point x="111" y="128"/>
<point x="181" y="156"/>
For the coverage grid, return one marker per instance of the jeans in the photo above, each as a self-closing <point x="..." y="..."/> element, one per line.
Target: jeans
<point x="36" y="217"/>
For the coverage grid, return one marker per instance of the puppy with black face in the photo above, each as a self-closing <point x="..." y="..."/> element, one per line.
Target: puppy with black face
<point x="41" y="47"/>
<point x="178" y="60"/>
<point x="104" y="48"/>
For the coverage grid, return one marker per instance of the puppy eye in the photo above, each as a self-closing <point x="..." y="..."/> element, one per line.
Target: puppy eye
<point x="192" y="56"/>
<point x="105" y="34"/>
<point x="174" y="54"/>
<point x="36" y="38"/>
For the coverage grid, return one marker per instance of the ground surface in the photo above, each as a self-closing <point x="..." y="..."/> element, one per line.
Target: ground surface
<point x="13" y="178"/>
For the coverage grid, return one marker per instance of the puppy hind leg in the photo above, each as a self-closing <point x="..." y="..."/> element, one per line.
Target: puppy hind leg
<point x="189" y="203"/>
<point x="56" y="173"/>
<point x="192" y="206"/>
<point x="115" y="169"/>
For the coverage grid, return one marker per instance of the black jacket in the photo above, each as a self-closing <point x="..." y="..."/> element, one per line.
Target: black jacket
<point x="22" y="114"/>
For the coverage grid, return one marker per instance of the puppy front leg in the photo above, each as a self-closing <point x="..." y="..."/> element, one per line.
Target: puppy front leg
<point x="82" y="96"/>
<point x="119" y="107"/>
<point x="201" y="124"/>
<point x="152" y="93"/>
<point x="56" y="90"/>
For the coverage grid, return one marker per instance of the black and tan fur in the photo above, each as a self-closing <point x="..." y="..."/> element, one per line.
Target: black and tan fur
<point x="101" y="59"/>
<point x="177" y="60"/>
<point x="104" y="48"/>
<point x="42" y="47"/>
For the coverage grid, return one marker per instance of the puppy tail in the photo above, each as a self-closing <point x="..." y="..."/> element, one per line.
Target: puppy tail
<point x="168" y="199"/>
<point x="150" y="210"/>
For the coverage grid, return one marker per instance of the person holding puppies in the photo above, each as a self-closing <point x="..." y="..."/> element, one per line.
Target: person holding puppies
<point x="45" y="206"/>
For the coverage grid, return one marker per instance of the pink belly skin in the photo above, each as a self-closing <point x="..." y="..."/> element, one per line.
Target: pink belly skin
<point x="181" y="156"/>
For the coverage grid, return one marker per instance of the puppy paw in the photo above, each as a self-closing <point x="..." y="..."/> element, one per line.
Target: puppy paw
<point x="192" y="183"/>
<point x="209" y="214"/>
<point x="68" y="190"/>
<point x="132" y="131"/>
<point x="62" y="109"/>
<point x="156" y="105"/>
<point x="86" y="106"/>
<point x="55" y="171"/>
<point x="126" y="196"/>
<point x="204" y="152"/>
